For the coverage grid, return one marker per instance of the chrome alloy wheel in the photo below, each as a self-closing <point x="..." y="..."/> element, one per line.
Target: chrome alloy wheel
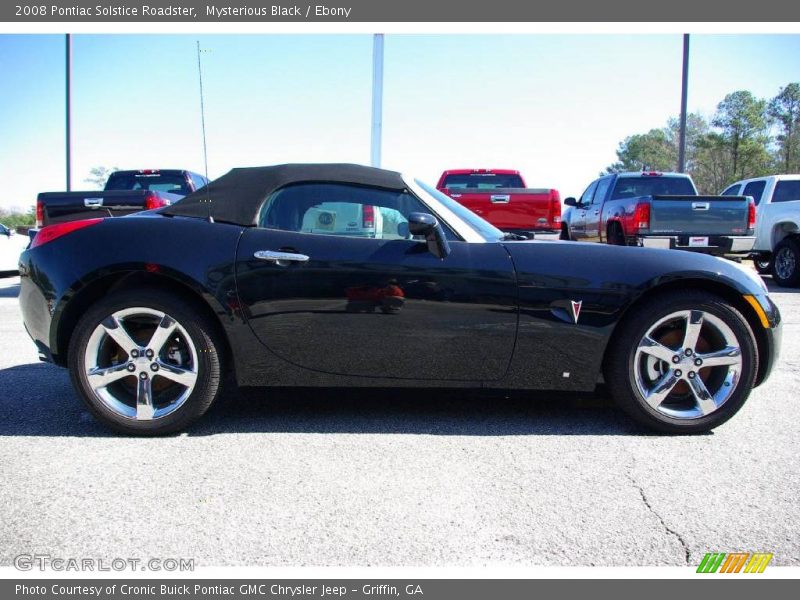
<point x="141" y="363"/>
<point x="688" y="364"/>
<point x="785" y="263"/>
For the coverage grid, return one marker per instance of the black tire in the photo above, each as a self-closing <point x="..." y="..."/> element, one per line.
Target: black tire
<point x="764" y="267"/>
<point x="201" y="333"/>
<point x="614" y="235"/>
<point x="620" y="361"/>
<point x="763" y="264"/>
<point x="786" y="262"/>
<point x="564" y="233"/>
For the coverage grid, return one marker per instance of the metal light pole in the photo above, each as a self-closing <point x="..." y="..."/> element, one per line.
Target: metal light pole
<point x="684" y="92"/>
<point x="69" y="112"/>
<point x="377" y="100"/>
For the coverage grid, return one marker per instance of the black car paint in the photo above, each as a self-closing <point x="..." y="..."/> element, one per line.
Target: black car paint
<point x="501" y="324"/>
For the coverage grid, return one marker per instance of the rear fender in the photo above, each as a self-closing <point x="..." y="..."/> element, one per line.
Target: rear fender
<point x="79" y="297"/>
<point x="782" y="230"/>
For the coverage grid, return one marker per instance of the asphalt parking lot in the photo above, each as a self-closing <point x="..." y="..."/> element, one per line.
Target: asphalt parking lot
<point x="394" y="478"/>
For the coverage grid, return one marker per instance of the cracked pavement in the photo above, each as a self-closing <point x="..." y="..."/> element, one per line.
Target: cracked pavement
<point x="395" y="477"/>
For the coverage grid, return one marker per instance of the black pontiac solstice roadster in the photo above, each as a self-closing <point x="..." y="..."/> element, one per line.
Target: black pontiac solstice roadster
<point x="343" y="275"/>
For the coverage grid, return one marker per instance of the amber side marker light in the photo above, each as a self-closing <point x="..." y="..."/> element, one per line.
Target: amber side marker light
<point x="751" y="300"/>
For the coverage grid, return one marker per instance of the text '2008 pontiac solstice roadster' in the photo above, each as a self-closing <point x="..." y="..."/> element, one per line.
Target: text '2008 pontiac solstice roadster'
<point x="343" y="275"/>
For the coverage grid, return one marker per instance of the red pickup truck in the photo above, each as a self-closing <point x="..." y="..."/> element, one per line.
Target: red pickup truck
<point x="500" y="197"/>
<point x="660" y="210"/>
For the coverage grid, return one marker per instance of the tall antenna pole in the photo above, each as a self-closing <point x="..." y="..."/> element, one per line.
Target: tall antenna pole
<point x="69" y="111"/>
<point x="202" y="110"/>
<point x="684" y="94"/>
<point x="377" y="100"/>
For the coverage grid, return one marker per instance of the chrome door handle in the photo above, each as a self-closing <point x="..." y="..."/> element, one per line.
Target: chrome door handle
<point x="93" y="202"/>
<point x="500" y="198"/>
<point x="280" y="257"/>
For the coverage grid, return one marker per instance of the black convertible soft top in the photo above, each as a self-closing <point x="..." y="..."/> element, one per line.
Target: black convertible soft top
<point x="237" y="196"/>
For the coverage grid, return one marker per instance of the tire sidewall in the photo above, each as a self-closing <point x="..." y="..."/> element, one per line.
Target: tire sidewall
<point x="793" y="246"/>
<point x="764" y="267"/>
<point x="637" y="326"/>
<point x="207" y="362"/>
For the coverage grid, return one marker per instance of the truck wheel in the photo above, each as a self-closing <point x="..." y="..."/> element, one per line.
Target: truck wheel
<point x="684" y="362"/>
<point x="614" y="235"/>
<point x="145" y="363"/>
<point x="564" y="233"/>
<point x="764" y="267"/>
<point x="786" y="263"/>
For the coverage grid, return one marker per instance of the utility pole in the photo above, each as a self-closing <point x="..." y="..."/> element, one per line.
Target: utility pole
<point x="684" y="93"/>
<point x="377" y="100"/>
<point x="69" y="112"/>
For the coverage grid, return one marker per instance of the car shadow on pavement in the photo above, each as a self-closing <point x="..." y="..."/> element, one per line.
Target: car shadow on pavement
<point x="774" y="288"/>
<point x="38" y="400"/>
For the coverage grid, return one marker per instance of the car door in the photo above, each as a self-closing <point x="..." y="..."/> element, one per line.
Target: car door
<point x="593" y="210"/>
<point x="351" y="293"/>
<point x="577" y="226"/>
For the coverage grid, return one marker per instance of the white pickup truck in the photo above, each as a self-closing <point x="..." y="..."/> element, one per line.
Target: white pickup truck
<point x="777" y="247"/>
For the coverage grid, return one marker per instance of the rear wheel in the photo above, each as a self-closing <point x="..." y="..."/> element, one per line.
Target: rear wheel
<point x="614" y="235"/>
<point x="786" y="263"/>
<point x="145" y="363"/>
<point x="682" y="363"/>
<point x="763" y="266"/>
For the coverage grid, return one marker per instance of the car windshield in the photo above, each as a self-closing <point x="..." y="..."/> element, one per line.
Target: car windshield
<point x="486" y="230"/>
<point x="633" y="187"/>
<point x="482" y="181"/>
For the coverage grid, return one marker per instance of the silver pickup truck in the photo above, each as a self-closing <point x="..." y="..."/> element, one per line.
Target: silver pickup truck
<point x="660" y="210"/>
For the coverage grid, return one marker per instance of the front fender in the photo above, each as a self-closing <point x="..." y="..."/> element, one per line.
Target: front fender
<point x="604" y="282"/>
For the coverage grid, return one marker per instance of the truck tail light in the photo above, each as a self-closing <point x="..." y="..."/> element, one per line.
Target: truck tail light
<point x="368" y="217"/>
<point x="751" y="214"/>
<point x="52" y="232"/>
<point x="39" y="213"/>
<point x="152" y="201"/>
<point x="555" y="208"/>
<point x="641" y="216"/>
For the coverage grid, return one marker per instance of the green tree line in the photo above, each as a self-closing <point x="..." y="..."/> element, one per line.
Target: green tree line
<point x="14" y="219"/>
<point x="745" y="137"/>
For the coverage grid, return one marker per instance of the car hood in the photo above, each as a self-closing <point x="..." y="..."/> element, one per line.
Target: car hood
<point x="622" y="269"/>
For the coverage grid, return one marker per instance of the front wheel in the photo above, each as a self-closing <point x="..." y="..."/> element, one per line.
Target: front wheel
<point x="684" y="362"/>
<point x="786" y="263"/>
<point x="145" y="363"/>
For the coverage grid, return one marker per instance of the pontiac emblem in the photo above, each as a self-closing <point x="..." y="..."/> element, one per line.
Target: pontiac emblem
<point x="576" y="309"/>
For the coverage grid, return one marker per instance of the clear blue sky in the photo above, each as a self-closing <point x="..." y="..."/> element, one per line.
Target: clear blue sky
<point x="554" y="107"/>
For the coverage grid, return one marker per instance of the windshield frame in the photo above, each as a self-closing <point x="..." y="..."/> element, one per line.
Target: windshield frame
<point x="463" y="221"/>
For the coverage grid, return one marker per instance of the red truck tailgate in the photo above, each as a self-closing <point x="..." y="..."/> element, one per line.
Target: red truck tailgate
<point x="523" y="209"/>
